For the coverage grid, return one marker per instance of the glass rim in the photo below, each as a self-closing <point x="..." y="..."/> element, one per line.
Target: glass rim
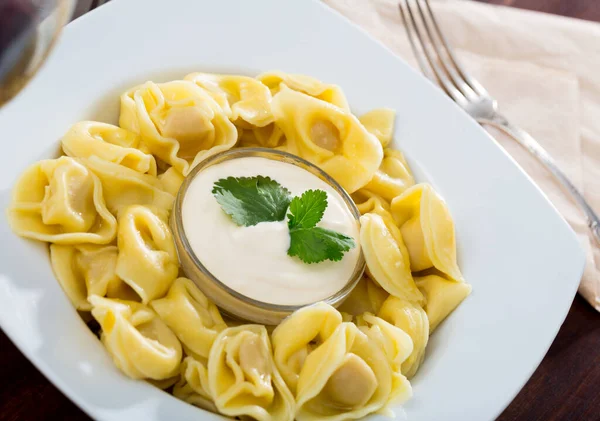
<point x="334" y="299"/>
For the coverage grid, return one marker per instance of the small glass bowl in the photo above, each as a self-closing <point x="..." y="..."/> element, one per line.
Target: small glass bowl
<point x="231" y="302"/>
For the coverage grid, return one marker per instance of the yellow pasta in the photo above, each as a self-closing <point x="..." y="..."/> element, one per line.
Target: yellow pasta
<point x="123" y="186"/>
<point x="297" y="335"/>
<point x="442" y="296"/>
<point x="61" y="201"/>
<point x="140" y="344"/>
<point x="427" y="229"/>
<point x="104" y="209"/>
<point x="243" y="378"/>
<point x="86" y="270"/>
<point x="147" y="259"/>
<point x="327" y="136"/>
<point x="387" y="257"/>
<point x="107" y="142"/>
<point x="171" y="181"/>
<point x="178" y="121"/>
<point x="346" y="377"/>
<point x="270" y="136"/>
<point x="412" y="319"/>
<point x="241" y="97"/>
<point x="380" y="122"/>
<point x="191" y="316"/>
<point x="366" y="201"/>
<point x="397" y="346"/>
<point x="192" y="386"/>
<point x="366" y="297"/>
<point x="393" y="176"/>
<point x="164" y="384"/>
<point x="305" y="84"/>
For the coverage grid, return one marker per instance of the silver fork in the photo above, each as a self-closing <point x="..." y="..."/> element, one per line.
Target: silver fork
<point x="438" y="62"/>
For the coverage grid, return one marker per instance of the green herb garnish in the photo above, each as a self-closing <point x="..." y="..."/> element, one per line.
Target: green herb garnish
<point x="310" y="243"/>
<point x="308" y="209"/>
<point x="251" y="200"/>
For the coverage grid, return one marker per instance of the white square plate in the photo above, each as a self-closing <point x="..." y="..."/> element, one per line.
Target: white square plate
<point x="522" y="259"/>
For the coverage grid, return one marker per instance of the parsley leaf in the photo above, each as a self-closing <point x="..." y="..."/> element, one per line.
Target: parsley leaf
<point x="310" y="243"/>
<point x="308" y="209"/>
<point x="251" y="200"/>
<point x="316" y="244"/>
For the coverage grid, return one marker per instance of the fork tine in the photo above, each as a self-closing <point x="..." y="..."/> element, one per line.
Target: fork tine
<point x="446" y="63"/>
<point x="417" y="53"/>
<point x="473" y="83"/>
<point x="416" y="35"/>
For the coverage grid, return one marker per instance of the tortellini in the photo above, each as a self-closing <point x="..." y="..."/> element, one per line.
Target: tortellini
<point x="395" y="342"/>
<point x="412" y="319"/>
<point x="397" y="346"/>
<point x="105" y="206"/>
<point x="393" y="176"/>
<point x="243" y="378"/>
<point x="192" y="386"/>
<point x="387" y="258"/>
<point x="164" y="384"/>
<point x="147" y="259"/>
<point x="366" y="297"/>
<point x="427" y="229"/>
<point x="241" y="97"/>
<point x="107" y="142"/>
<point x="61" y="201"/>
<point x="194" y="319"/>
<point x="171" y="181"/>
<point x="442" y="296"/>
<point x="346" y="377"/>
<point x="297" y="336"/>
<point x="178" y="121"/>
<point x="86" y="270"/>
<point x="270" y="136"/>
<point x="367" y="201"/>
<point x="327" y="136"/>
<point x="305" y="84"/>
<point x="123" y="186"/>
<point x="380" y="122"/>
<point x="140" y="344"/>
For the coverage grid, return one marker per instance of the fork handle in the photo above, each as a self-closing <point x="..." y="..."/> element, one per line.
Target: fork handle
<point x="529" y="143"/>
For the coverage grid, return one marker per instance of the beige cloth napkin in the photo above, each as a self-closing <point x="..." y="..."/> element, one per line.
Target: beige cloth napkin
<point x="545" y="72"/>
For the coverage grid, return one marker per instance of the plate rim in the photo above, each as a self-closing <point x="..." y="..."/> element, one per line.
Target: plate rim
<point x="51" y="374"/>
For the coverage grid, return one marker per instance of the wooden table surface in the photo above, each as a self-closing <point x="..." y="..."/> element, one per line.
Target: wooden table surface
<point x="565" y="387"/>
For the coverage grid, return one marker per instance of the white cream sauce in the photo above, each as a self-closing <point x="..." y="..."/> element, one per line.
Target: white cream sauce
<point x="253" y="260"/>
